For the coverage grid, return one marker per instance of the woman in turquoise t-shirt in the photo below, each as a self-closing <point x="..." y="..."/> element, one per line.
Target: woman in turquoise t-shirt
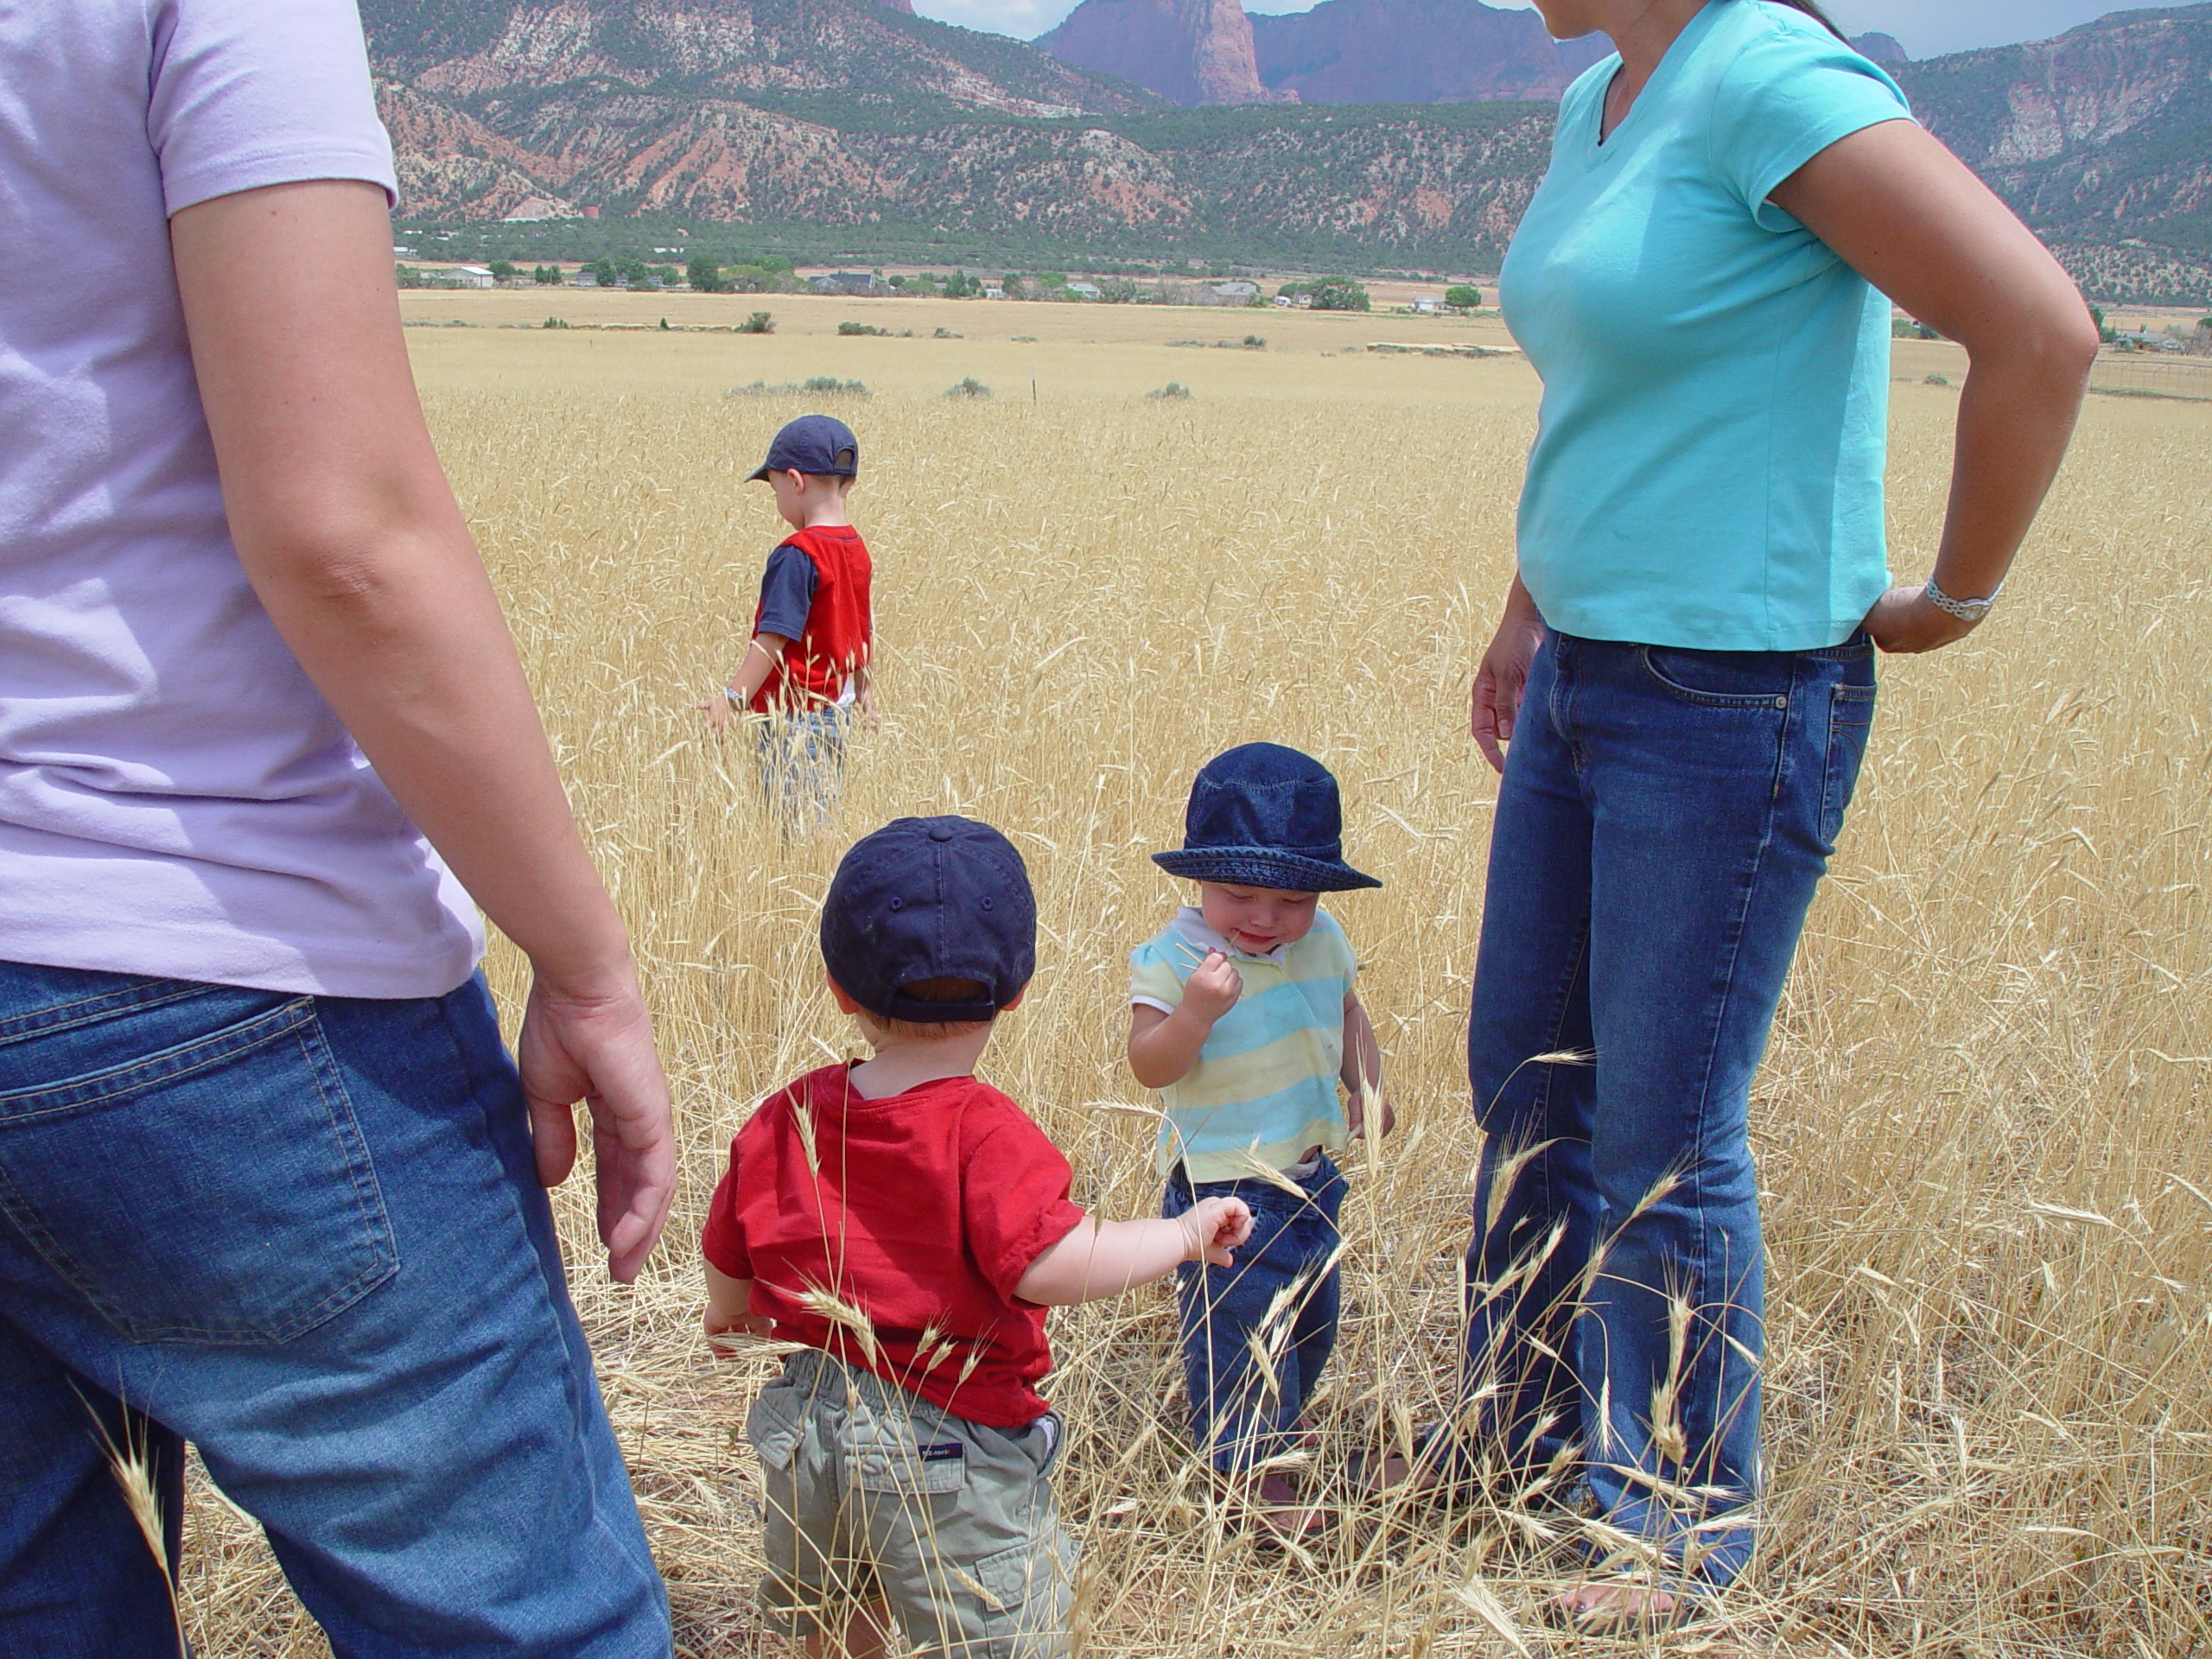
<point x="1685" y="673"/>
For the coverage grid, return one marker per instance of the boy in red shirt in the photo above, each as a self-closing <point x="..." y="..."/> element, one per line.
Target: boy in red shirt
<point x="806" y="671"/>
<point x="909" y="1225"/>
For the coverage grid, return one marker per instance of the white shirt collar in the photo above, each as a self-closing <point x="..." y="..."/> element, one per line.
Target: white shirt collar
<point x="1190" y="927"/>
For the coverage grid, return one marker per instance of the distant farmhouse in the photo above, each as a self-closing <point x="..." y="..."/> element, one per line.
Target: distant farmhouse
<point x="860" y="283"/>
<point x="1235" y="293"/>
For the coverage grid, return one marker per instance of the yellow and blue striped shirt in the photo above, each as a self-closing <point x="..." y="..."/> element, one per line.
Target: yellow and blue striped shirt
<point x="1266" y="1081"/>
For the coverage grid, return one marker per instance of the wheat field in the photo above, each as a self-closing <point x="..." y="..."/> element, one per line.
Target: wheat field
<point x="1982" y="1123"/>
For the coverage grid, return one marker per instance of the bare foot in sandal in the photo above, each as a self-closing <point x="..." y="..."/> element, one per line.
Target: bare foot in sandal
<point x="1394" y="1474"/>
<point x="1285" y="1511"/>
<point x="1613" y="1606"/>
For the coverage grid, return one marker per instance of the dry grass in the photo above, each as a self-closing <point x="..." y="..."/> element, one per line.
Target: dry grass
<point x="1983" y="1123"/>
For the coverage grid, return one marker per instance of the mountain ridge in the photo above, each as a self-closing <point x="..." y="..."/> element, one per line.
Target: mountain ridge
<point x="849" y="116"/>
<point x="2101" y="136"/>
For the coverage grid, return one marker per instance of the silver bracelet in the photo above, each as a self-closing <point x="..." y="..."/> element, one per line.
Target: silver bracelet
<point x="1967" y="610"/>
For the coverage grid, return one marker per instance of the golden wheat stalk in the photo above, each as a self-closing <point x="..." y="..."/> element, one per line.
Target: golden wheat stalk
<point x="131" y="1464"/>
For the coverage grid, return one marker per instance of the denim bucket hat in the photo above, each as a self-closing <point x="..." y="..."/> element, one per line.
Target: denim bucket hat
<point x="1268" y="817"/>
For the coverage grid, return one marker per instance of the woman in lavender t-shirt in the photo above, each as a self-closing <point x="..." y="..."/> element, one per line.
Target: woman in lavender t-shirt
<point x="268" y="1180"/>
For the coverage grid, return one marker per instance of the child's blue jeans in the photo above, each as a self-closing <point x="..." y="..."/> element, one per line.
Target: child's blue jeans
<point x="802" y="767"/>
<point x="1284" y="1288"/>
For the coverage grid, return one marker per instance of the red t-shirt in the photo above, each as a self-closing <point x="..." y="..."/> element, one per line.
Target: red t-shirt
<point x="840" y="632"/>
<point x="921" y="1210"/>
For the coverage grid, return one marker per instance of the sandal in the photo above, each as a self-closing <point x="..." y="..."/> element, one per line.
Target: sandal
<point x="1282" y="1512"/>
<point x="1615" y="1606"/>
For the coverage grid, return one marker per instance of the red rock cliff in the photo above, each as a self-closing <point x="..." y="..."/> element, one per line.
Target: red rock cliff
<point x="1190" y="51"/>
<point x="1408" y="52"/>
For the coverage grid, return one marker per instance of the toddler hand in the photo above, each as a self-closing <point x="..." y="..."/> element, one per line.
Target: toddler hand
<point x="720" y="1324"/>
<point x="1213" y="987"/>
<point x="1214" y="1227"/>
<point x="1356" y="1115"/>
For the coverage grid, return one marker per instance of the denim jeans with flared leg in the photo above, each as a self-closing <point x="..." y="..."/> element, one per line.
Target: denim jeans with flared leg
<point x="1664" y="819"/>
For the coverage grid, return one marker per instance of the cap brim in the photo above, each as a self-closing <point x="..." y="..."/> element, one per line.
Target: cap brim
<point x="757" y="477"/>
<point x="1263" y="866"/>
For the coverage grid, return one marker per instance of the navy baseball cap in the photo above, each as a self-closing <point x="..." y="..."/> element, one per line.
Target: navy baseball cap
<point x="813" y="443"/>
<point x="1268" y="817"/>
<point x="931" y="898"/>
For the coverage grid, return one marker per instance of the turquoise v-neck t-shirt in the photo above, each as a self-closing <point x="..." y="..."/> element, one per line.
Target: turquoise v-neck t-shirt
<point x="1708" y="464"/>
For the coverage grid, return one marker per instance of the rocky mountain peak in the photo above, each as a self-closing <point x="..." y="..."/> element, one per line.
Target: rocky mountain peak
<point x="1190" y="52"/>
<point x="1408" y="52"/>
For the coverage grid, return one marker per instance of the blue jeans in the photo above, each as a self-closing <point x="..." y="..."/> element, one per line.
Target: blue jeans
<point x="1242" y="1413"/>
<point x="306" y="1235"/>
<point x="1663" y="820"/>
<point x="802" y="767"/>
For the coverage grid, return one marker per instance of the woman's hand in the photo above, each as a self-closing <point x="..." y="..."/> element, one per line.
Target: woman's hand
<point x="597" y="1047"/>
<point x="1504" y="674"/>
<point x="1905" y="620"/>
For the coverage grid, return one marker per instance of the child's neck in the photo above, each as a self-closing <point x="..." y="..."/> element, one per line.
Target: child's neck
<point x="830" y="515"/>
<point x="904" y="1063"/>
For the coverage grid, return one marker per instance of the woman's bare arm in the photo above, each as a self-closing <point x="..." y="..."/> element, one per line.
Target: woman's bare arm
<point x="345" y="526"/>
<point x="1909" y="217"/>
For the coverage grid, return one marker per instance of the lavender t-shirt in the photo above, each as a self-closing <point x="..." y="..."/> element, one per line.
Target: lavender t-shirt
<point x="175" y="797"/>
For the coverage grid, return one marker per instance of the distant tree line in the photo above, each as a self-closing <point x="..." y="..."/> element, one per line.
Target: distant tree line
<point x="769" y="273"/>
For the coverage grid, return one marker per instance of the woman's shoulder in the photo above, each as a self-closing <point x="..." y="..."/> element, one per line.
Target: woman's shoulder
<point x="1763" y="56"/>
<point x="1779" y="89"/>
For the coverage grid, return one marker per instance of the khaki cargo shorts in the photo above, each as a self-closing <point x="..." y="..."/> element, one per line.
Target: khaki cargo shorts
<point x="874" y="1492"/>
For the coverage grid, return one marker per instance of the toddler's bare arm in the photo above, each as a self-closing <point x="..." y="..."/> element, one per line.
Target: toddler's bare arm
<point x="761" y="659"/>
<point x="729" y="1306"/>
<point x="1362" y="1069"/>
<point x="1102" y="1259"/>
<point x="1163" y="1047"/>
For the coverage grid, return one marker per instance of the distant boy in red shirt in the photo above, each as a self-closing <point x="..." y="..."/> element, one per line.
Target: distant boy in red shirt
<point x="909" y="1225"/>
<point x="813" y="629"/>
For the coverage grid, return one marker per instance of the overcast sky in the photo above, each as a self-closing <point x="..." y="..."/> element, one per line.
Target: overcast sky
<point x="1927" y="28"/>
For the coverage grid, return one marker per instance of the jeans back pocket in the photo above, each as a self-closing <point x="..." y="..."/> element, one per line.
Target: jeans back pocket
<point x="213" y="1186"/>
